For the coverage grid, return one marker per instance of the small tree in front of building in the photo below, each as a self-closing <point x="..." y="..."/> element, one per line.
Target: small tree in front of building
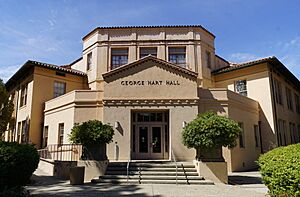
<point x="208" y="133"/>
<point x="6" y="108"/>
<point x="93" y="135"/>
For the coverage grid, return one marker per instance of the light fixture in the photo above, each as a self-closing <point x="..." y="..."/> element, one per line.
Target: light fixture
<point x="183" y="124"/>
<point x="117" y="124"/>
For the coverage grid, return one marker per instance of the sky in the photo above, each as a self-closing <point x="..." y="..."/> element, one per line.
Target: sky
<point x="51" y="31"/>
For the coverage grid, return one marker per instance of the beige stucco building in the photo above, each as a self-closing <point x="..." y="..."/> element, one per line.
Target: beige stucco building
<point x="148" y="82"/>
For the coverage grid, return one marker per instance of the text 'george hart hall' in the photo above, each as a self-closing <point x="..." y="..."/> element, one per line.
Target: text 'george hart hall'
<point x="147" y="82"/>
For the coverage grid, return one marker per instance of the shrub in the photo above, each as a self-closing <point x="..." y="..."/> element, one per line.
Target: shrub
<point x="210" y="130"/>
<point x="15" y="192"/>
<point x="92" y="132"/>
<point x="17" y="163"/>
<point x="280" y="169"/>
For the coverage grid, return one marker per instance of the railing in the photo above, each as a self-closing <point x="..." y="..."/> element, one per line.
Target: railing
<point x="174" y="160"/>
<point x="61" y="152"/>
<point x="127" y="168"/>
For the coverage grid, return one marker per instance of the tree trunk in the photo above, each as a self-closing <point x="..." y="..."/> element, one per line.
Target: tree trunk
<point x="94" y="152"/>
<point x="209" y="154"/>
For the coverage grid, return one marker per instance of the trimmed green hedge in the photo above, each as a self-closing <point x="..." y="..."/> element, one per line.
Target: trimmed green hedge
<point x="280" y="169"/>
<point x="17" y="163"/>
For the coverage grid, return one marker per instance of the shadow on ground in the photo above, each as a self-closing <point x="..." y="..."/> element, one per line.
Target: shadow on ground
<point x="50" y="186"/>
<point x="243" y="180"/>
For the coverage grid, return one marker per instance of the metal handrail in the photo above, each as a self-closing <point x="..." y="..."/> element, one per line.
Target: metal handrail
<point x="174" y="159"/>
<point x="127" y="167"/>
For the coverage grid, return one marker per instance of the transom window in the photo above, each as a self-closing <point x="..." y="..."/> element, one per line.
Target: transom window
<point x="145" y="51"/>
<point x="177" y="55"/>
<point x="119" y="57"/>
<point x="241" y="87"/>
<point x="59" y="89"/>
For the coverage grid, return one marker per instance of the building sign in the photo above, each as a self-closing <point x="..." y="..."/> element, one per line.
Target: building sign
<point x="150" y="83"/>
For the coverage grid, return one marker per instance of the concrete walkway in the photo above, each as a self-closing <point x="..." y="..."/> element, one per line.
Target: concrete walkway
<point x="44" y="185"/>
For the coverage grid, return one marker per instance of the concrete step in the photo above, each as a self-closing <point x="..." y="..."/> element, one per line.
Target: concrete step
<point x="149" y="177"/>
<point x="148" y="165"/>
<point x="161" y="173"/>
<point x="151" y="169"/>
<point x="124" y="181"/>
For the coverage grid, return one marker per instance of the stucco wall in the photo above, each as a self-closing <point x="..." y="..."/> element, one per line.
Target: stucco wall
<point x="259" y="89"/>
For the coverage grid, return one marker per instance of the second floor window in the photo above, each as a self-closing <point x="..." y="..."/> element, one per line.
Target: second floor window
<point x="177" y="55"/>
<point x="208" y="59"/>
<point x="297" y="102"/>
<point x="145" y="51"/>
<point x="23" y="100"/>
<point x="89" y="61"/>
<point x="289" y="98"/>
<point x="119" y="57"/>
<point x="241" y="87"/>
<point x="61" y="133"/>
<point x="278" y="92"/>
<point x="59" y="89"/>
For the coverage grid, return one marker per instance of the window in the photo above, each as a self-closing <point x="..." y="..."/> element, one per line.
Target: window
<point x="282" y="132"/>
<point x="89" y="61"/>
<point x="293" y="133"/>
<point x="256" y="136"/>
<point x="289" y="98"/>
<point x="298" y="132"/>
<point x="208" y="59"/>
<point x="45" y="136"/>
<point x="242" y="136"/>
<point x="297" y="102"/>
<point x="23" y="136"/>
<point x="19" y="132"/>
<point x="59" y="89"/>
<point x="177" y="56"/>
<point x="145" y="51"/>
<point x="241" y="87"/>
<point x="23" y="95"/>
<point x="278" y="92"/>
<point x="60" y="133"/>
<point x="119" y="57"/>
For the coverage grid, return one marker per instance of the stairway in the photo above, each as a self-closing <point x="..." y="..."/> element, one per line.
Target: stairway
<point x="152" y="173"/>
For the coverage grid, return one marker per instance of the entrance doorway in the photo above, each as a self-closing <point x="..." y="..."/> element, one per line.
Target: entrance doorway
<point x="150" y="135"/>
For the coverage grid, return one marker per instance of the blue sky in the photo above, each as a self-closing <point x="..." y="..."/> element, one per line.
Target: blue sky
<point x="51" y="31"/>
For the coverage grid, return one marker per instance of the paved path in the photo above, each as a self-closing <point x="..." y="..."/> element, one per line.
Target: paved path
<point x="44" y="185"/>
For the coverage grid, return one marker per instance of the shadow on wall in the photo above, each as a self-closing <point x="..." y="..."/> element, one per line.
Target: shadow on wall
<point x="208" y="102"/>
<point x="268" y="137"/>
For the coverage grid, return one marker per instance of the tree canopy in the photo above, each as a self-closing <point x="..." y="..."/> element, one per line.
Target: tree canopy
<point x="210" y="130"/>
<point x="6" y="108"/>
<point x="91" y="132"/>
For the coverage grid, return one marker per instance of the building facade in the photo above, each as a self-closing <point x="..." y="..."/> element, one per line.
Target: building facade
<point x="149" y="81"/>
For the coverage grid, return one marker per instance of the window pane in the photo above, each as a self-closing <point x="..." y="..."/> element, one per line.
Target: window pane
<point x="241" y="87"/>
<point x="119" y="57"/>
<point x="148" y="51"/>
<point x="59" y="89"/>
<point x="177" y="55"/>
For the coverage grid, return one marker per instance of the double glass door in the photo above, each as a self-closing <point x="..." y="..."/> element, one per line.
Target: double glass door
<point x="149" y="140"/>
